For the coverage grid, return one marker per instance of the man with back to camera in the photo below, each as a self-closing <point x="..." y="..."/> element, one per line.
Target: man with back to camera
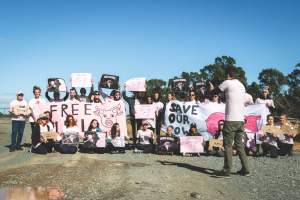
<point x="234" y="121"/>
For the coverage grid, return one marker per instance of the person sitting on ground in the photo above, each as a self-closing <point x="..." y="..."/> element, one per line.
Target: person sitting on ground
<point x="90" y="138"/>
<point x="193" y="130"/>
<point x="70" y="137"/>
<point x="286" y="141"/>
<point x="50" y="123"/>
<point x="168" y="143"/>
<point x="218" y="136"/>
<point x="269" y="140"/>
<point x="145" y="139"/>
<point x="39" y="144"/>
<point x="116" y="142"/>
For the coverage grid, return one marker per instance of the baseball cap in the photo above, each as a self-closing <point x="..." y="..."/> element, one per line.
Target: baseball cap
<point x="20" y="93"/>
<point x="43" y="116"/>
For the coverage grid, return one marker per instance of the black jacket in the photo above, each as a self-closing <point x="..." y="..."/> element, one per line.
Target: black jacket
<point x="36" y="134"/>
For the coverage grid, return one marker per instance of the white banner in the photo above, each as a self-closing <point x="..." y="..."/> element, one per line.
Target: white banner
<point x="181" y="114"/>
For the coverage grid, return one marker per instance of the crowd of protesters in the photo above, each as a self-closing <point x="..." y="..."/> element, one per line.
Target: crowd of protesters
<point x="146" y="136"/>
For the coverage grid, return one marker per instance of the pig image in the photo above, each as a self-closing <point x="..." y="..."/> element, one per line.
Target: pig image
<point x="212" y="122"/>
<point x="108" y="116"/>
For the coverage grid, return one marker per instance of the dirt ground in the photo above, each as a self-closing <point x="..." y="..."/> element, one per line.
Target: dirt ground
<point x="133" y="176"/>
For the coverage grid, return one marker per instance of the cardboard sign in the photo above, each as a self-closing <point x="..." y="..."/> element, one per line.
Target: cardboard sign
<point x="215" y="143"/>
<point x="135" y="85"/>
<point x="289" y="129"/>
<point x="109" y="81"/>
<point x="191" y="144"/>
<point x="49" y="136"/>
<point x="57" y="85"/>
<point x="144" y="111"/>
<point x="271" y="129"/>
<point x="81" y="80"/>
<point x="21" y="110"/>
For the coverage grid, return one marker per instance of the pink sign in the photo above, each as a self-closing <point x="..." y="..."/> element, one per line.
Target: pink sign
<point x="144" y="111"/>
<point x="81" y="79"/>
<point x="136" y="85"/>
<point x="191" y="144"/>
<point x="106" y="114"/>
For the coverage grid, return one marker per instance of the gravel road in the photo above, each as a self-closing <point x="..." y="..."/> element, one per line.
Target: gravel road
<point x="142" y="176"/>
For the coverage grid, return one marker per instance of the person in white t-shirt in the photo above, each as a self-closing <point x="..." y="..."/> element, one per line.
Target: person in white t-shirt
<point x="286" y="141"/>
<point x="72" y="96"/>
<point x="19" y="110"/>
<point x="265" y="98"/>
<point x="34" y="106"/>
<point x="70" y="137"/>
<point x="234" y="122"/>
<point x="145" y="139"/>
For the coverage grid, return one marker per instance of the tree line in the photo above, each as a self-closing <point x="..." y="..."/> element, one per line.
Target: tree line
<point x="284" y="89"/>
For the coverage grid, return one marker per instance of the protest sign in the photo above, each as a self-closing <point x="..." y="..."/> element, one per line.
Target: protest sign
<point x="135" y="85"/>
<point x="215" y="143"/>
<point x="144" y="111"/>
<point x="191" y="144"/>
<point x="109" y="81"/>
<point x="56" y="85"/>
<point x="106" y="114"/>
<point x="181" y="114"/>
<point x="81" y="80"/>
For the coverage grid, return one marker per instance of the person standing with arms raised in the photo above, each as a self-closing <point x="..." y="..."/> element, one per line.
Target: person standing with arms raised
<point x="234" y="121"/>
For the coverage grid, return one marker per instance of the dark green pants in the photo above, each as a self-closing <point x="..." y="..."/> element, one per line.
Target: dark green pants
<point x="234" y="131"/>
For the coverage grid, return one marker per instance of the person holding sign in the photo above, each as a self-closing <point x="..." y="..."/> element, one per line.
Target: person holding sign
<point x="286" y="141"/>
<point x="145" y="139"/>
<point x="269" y="144"/>
<point x="168" y="143"/>
<point x="234" y="122"/>
<point x="116" y="142"/>
<point x="70" y="137"/>
<point x="56" y="85"/>
<point x="91" y="137"/>
<point x="214" y="148"/>
<point x="19" y="110"/>
<point x="193" y="130"/>
<point x="39" y="144"/>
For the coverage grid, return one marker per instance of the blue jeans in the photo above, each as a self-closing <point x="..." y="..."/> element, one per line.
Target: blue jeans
<point x="17" y="133"/>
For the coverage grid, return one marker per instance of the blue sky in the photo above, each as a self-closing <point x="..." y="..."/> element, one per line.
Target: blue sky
<point x="154" y="39"/>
